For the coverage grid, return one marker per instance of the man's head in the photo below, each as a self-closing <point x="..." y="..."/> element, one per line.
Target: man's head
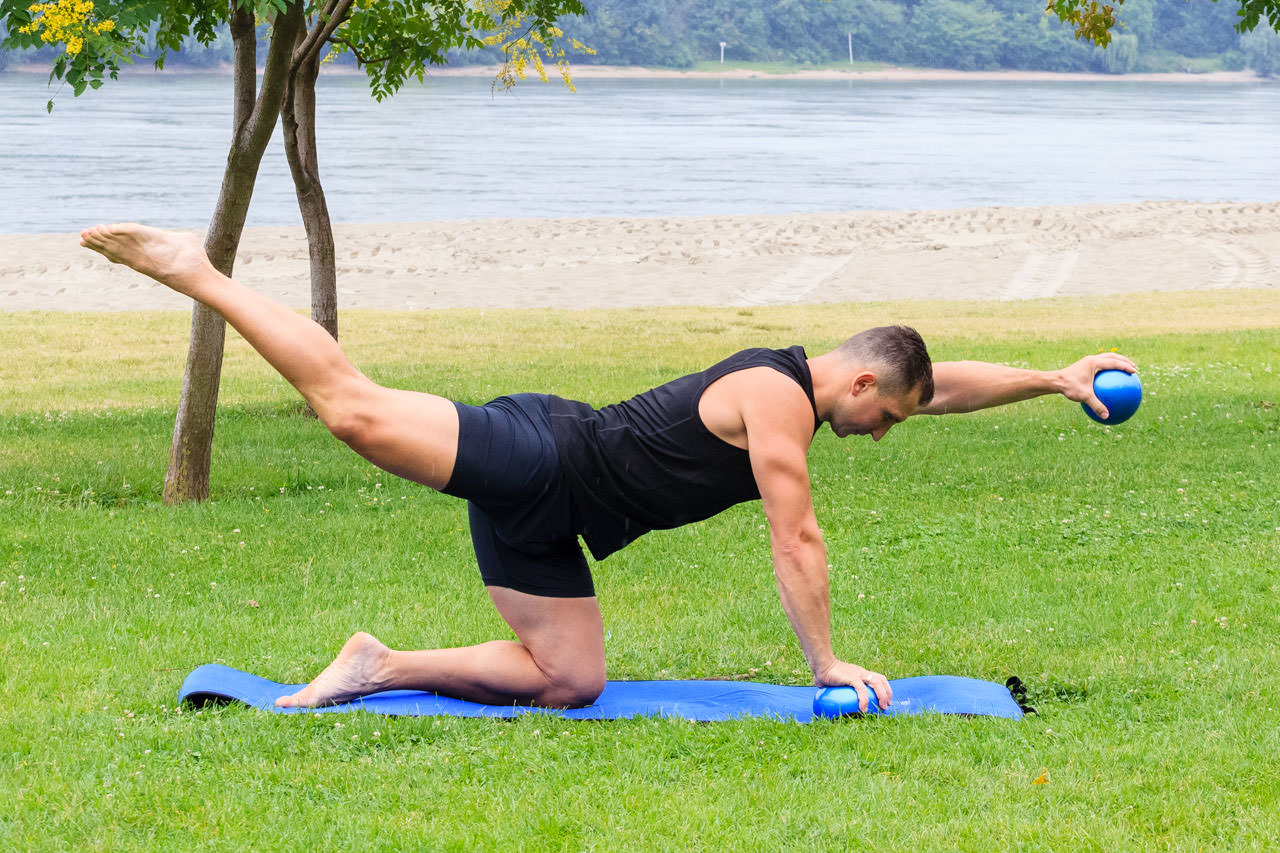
<point x="898" y="356"/>
<point x="887" y="376"/>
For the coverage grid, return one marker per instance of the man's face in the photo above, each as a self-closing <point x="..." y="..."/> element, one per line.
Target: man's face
<point x="866" y="411"/>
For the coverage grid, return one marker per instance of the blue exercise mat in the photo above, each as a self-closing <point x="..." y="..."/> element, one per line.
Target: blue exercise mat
<point x="706" y="701"/>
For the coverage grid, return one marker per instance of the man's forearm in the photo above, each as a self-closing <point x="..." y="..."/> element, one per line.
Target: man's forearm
<point x="801" y="571"/>
<point x="801" y="568"/>
<point x="967" y="386"/>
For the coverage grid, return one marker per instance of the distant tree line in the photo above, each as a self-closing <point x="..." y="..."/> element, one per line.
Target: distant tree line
<point x="1154" y="35"/>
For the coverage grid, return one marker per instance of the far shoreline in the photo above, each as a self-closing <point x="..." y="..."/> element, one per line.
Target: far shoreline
<point x="888" y="74"/>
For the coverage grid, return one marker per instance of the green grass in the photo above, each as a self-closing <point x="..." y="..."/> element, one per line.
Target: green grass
<point x="1128" y="574"/>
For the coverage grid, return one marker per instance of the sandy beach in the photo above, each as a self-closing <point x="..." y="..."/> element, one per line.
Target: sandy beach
<point x="994" y="253"/>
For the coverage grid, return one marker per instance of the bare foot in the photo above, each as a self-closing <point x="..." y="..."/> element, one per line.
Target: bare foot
<point x="356" y="671"/>
<point x="172" y="258"/>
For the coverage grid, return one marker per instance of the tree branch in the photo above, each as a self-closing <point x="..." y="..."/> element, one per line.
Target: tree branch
<point x="275" y="75"/>
<point x="362" y="59"/>
<point x="245" y="59"/>
<point x="332" y="16"/>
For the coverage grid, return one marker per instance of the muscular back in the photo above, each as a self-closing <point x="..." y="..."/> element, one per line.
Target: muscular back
<point x="653" y="461"/>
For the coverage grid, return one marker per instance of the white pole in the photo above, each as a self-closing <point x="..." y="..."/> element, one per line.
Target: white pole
<point x="722" y="44"/>
<point x="850" y="48"/>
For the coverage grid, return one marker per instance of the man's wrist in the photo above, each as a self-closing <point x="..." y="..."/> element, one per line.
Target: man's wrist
<point x="1056" y="381"/>
<point x="821" y="665"/>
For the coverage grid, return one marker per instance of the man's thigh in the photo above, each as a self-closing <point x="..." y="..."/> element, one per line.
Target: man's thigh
<point x="506" y="461"/>
<point x="545" y="559"/>
<point x="565" y="636"/>
<point x="408" y="433"/>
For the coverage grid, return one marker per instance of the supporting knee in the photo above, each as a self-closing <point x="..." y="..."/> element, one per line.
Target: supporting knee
<point x="576" y="692"/>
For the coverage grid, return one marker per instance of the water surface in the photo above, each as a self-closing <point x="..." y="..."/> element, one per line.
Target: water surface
<point x="151" y="147"/>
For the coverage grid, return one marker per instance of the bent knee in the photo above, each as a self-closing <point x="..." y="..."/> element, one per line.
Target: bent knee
<point x="578" y="692"/>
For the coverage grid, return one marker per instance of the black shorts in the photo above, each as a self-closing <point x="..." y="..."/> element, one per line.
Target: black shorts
<point x="522" y="519"/>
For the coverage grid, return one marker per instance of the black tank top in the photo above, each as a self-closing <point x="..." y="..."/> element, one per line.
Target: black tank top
<point x="649" y="463"/>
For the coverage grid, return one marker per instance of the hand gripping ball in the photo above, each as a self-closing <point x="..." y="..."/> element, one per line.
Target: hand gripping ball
<point x="1120" y="392"/>
<point x="832" y="702"/>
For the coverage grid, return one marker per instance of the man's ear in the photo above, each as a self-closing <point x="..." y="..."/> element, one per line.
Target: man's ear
<point x="864" y="380"/>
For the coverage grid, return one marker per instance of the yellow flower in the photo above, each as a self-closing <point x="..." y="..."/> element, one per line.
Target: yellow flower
<point x="66" y="22"/>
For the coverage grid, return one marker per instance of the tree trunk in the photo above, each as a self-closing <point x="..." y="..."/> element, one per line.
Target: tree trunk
<point x="191" y="453"/>
<point x="299" y="119"/>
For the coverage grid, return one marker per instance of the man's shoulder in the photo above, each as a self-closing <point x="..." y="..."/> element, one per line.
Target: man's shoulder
<point x="765" y="395"/>
<point x="757" y="378"/>
<point x="766" y="377"/>
<point x="786" y="358"/>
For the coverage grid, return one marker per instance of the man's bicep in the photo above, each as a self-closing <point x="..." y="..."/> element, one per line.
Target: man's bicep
<point x="779" y="464"/>
<point x="779" y="424"/>
<point x="951" y="380"/>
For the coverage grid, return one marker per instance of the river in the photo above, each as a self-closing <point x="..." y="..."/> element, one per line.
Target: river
<point x="151" y="147"/>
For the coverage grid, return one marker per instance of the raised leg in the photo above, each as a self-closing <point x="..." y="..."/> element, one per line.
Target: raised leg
<point x="410" y="434"/>
<point x="558" y="661"/>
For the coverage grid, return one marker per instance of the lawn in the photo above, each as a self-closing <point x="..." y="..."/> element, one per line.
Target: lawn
<point x="1129" y="575"/>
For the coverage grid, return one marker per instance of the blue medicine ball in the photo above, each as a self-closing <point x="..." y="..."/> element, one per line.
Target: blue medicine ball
<point x="1120" y="392"/>
<point x="834" y="702"/>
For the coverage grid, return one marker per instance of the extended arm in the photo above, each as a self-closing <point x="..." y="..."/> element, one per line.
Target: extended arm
<point x="966" y="386"/>
<point x="779" y="429"/>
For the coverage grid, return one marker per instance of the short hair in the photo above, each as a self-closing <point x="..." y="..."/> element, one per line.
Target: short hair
<point x="900" y="354"/>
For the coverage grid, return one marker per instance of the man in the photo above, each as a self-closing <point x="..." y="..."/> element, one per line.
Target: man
<point x="539" y="471"/>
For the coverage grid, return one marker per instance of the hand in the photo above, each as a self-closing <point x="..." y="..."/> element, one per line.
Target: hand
<point x="840" y="674"/>
<point x="1077" y="379"/>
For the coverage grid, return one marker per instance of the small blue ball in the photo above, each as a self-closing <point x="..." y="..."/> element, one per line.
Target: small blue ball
<point x="832" y="702"/>
<point x="1120" y="392"/>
